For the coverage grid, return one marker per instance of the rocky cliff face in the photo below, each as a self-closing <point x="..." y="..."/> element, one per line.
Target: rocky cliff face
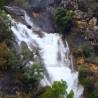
<point x="42" y="12"/>
<point x="86" y="5"/>
<point x="44" y="5"/>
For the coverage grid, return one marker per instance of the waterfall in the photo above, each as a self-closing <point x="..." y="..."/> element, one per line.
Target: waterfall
<point x="55" y="54"/>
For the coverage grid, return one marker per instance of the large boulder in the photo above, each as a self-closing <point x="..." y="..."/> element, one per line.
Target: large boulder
<point x="82" y="24"/>
<point x="93" y="22"/>
<point x="95" y="29"/>
<point x="16" y="10"/>
<point x="79" y="14"/>
<point x="85" y="5"/>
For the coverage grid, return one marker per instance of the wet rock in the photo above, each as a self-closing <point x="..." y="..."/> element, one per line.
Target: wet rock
<point x="90" y="35"/>
<point x="36" y="14"/>
<point x="39" y="33"/>
<point x="29" y="27"/>
<point x="16" y="10"/>
<point x="82" y="24"/>
<point x="79" y="14"/>
<point x="95" y="29"/>
<point x="24" y="49"/>
<point x="42" y="12"/>
<point x="93" y="22"/>
<point x="94" y="68"/>
<point x="90" y="12"/>
<point x="37" y="9"/>
<point x="80" y="61"/>
<point x="86" y="17"/>
<point x="96" y="49"/>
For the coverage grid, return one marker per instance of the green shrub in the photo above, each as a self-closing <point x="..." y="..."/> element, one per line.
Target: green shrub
<point x="85" y="72"/>
<point x="2" y="3"/>
<point x="34" y="74"/>
<point x="64" y="19"/>
<point x="70" y="95"/>
<point x="94" y="95"/>
<point x="57" y="90"/>
<point x="88" y="84"/>
<point x="86" y="51"/>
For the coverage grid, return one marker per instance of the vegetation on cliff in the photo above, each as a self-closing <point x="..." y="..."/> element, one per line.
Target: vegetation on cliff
<point x="58" y="90"/>
<point x="87" y="49"/>
<point x="64" y="19"/>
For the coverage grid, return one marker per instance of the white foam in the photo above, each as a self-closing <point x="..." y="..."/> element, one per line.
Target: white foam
<point x="55" y="55"/>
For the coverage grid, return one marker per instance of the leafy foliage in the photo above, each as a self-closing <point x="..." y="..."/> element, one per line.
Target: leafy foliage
<point x="58" y="18"/>
<point x="64" y="19"/>
<point x="85" y="75"/>
<point x="34" y="74"/>
<point x="94" y="95"/>
<point x="86" y="51"/>
<point x="57" y="90"/>
<point x="85" y="72"/>
<point x="4" y="54"/>
<point x="89" y="85"/>
<point x="5" y="34"/>
<point x="71" y="94"/>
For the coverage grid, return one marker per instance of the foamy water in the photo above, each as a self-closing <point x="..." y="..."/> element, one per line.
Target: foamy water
<point x="54" y="53"/>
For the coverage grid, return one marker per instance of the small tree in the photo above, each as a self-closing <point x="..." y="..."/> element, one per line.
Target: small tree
<point x="58" y="17"/>
<point x="34" y="74"/>
<point x="64" y="19"/>
<point x="57" y="90"/>
<point x="71" y="94"/>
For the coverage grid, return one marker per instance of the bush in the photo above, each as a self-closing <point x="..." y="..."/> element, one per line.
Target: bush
<point x="71" y="94"/>
<point x="89" y="85"/>
<point x="33" y="75"/>
<point x="5" y="34"/>
<point x="64" y="19"/>
<point x="94" y="95"/>
<point x="85" y="79"/>
<point x="4" y="55"/>
<point x="57" y="90"/>
<point x="85" y="72"/>
<point x="2" y="2"/>
<point x="86" y="51"/>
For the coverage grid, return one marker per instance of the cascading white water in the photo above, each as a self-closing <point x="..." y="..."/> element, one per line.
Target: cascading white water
<point x="54" y="53"/>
